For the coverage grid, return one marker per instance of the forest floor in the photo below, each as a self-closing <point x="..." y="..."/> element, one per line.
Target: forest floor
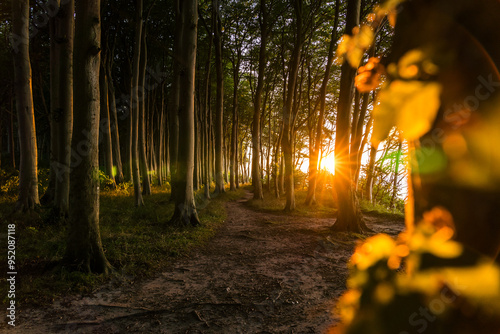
<point x="261" y="273"/>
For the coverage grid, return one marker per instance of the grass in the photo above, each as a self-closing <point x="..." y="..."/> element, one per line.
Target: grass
<point x="137" y="241"/>
<point x="325" y="206"/>
<point x="380" y="210"/>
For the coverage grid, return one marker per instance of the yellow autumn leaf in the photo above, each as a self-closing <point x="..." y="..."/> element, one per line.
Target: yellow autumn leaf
<point x="343" y="45"/>
<point x="365" y="37"/>
<point x="479" y="281"/>
<point x="410" y="105"/>
<point x="354" y="56"/>
<point x="383" y="116"/>
<point x="419" y="109"/>
<point x="352" y="48"/>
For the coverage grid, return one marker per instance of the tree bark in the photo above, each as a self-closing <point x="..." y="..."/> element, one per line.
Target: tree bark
<point x="65" y="26"/>
<point x="84" y="249"/>
<point x="313" y="156"/>
<point x="135" y="103"/>
<point x="28" y="178"/>
<point x="233" y="181"/>
<point x="288" y="128"/>
<point x="115" y="134"/>
<point x="185" y="210"/>
<point x="349" y="214"/>
<point x="143" y="161"/>
<point x="256" y="130"/>
<point x="369" y="174"/>
<point x="219" y="108"/>
<point x="173" y="123"/>
<point x="105" y="126"/>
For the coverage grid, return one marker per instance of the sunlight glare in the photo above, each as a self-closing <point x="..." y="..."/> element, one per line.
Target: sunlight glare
<point x="328" y="163"/>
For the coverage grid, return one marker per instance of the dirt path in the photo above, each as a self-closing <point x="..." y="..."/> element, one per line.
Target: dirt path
<point x="262" y="273"/>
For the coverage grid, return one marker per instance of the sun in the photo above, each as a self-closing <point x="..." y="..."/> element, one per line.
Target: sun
<point x="328" y="163"/>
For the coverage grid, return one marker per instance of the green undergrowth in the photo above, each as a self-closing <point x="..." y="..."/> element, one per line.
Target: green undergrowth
<point x="325" y="206"/>
<point x="379" y="210"/>
<point x="137" y="241"/>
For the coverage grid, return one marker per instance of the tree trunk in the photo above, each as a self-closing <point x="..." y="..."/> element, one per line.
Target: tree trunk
<point x="349" y="214"/>
<point x="288" y="128"/>
<point x="313" y="157"/>
<point x="55" y="114"/>
<point x="256" y="130"/>
<point x="135" y="103"/>
<point x="105" y="126"/>
<point x="206" y="119"/>
<point x="143" y="162"/>
<point x="234" y="132"/>
<point x="219" y="168"/>
<point x="357" y="138"/>
<point x="115" y="134"/>
<point x="65" y="36"/>
<point x="173" y="124"/>
<point x="185" y="209"/>
<point x="84" y="250"/>
<point x="369" y="174"/>
<point x="28" y="178"/>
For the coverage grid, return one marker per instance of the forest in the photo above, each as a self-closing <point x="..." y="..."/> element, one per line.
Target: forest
<point x="250" y="166"/>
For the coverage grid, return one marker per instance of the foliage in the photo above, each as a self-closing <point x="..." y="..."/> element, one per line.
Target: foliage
<point x="421" y="281"/>
<point x="105" y="182"/>
<point x="9" y="182"/>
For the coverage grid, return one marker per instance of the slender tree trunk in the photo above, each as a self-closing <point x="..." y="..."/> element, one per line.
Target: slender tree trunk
<point x="349" y="215"/>
<point x="161" y="138"/>
<point x="130" y="169"/>
<point x="357" y="138"/>
<point x="276" y="165"/>
<point x="115" y="134"/>
<point x="288" y="128"/>
<point x="173" y="123"/>
<point x="135" y="103"/>
<point x="55" y="114"/>
<point x="268" y="164"/>
<point x="105" y="125"/>
<point x="256" y="128"/>
<point x="206" y="119"/>
<point x="369" y="174"/>
<point x="143" y="162"/>
<point x="361" y="150"/>
<point x="28" y="178"/>
<point x="65" y="36"/>
<point x="219" y="168"/>
<point x="234" y="132"/>
<point x="197" y="163"/>
<point x="313" y="157"/>
<point x="395" y="179"/>
<point x="84" y="249"/>
<point x="185" y="209"/>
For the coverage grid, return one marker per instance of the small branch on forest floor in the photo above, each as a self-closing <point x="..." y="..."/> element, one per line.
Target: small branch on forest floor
<point x="199" y="317"/>
<point x="125" y="306"/>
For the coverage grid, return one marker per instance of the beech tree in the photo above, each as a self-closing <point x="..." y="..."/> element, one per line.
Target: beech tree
<point x="349" y="215"/>
<point x="256" y="126"/>
<point x="219" y="108"/>
<point x="187" y="19"/>
<point x="135" y="104"/>
<point x="62" y="91"/>
<point x="84" y="249"/>
<point x="28" y="178"/>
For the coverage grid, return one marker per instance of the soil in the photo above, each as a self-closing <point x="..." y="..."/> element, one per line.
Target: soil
<point x="262" y="273"/>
